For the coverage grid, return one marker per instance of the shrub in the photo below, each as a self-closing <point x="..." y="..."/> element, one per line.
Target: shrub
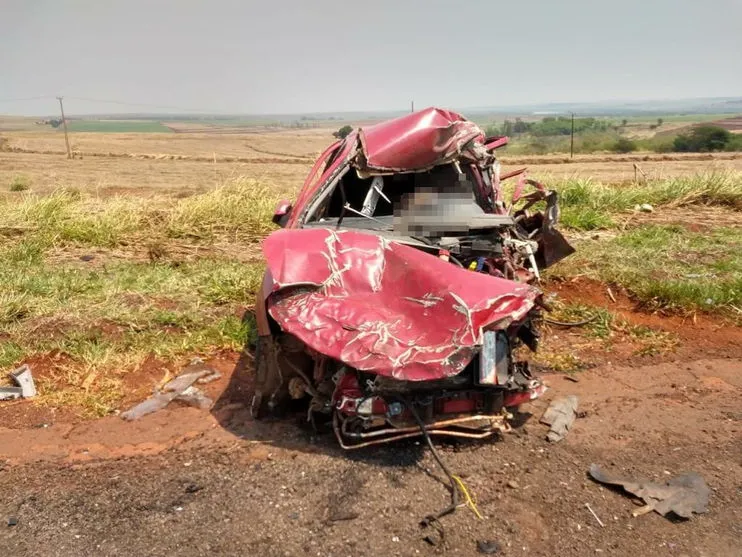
<point x="20" y="183"/>
<point x="623" y="145"/>
<point x="703" y="139"/>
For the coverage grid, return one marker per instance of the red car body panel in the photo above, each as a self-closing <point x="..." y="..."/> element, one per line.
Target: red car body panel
<point x="380" y="305"/>
<point x="417" y="141"/>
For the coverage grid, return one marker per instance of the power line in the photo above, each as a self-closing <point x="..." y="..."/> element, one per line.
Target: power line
<point x="146" y="105"/>
<point x="26" y="99"/>
<point x="120" y="103"/>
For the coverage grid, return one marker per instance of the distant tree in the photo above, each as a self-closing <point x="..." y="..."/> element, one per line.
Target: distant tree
<point x="343" y="132"/>
<point x="55" y="123"/>
<point x="659" y="122"/>
<point x="507" y="128"/>
<point x="624" y="122"/>
<point x="562" y="125"/>
<point x="703" y="139"/>
<point x="623" y="145"/>
<point x="520" y="126"/>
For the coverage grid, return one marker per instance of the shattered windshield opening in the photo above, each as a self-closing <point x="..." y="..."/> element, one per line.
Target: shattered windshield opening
<point x="426" y="204"/>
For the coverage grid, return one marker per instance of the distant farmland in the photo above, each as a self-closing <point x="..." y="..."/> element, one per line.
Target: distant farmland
<point x="734" y="124"/>
<point x="117" y="126"/>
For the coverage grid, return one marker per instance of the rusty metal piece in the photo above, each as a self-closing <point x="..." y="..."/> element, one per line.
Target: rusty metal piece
<point x="498" y="424"/>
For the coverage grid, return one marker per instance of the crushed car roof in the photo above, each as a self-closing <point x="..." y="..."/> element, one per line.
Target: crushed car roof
<point x="420" y="141"/>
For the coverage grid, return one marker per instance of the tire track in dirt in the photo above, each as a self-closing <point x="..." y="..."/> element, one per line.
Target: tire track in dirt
<point x="308" y="157"/>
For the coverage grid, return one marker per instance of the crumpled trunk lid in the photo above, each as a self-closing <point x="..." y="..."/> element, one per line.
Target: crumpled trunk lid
<point x="381" y="306"/>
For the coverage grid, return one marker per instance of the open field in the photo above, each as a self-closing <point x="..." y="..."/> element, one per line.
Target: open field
<point x="120" y="267"/>
<point x="187" y="163"/>
<point x="116" y="126"/>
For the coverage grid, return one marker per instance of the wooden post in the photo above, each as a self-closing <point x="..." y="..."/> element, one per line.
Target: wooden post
<point x="572" y="138"/>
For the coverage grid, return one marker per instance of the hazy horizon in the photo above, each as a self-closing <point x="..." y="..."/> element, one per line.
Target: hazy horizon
<point x="165" y="56"/>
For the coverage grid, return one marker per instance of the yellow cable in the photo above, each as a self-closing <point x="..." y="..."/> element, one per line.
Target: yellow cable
<point x="470" y="501"/>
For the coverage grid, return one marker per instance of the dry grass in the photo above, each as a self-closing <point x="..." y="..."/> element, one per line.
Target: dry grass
<point x="605" y="331"/>
<point x="588" y="204"/>
<point x="103" y="315"/>
<point x="112" y="176"/>
<point x="667" y="267"/>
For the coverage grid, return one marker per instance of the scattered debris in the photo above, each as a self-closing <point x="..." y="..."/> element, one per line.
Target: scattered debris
<point x="560" y="415"/>
<point x="512" y="484"/>
<point x="644" y="208"/>
<point x="209" y="378"/>
<point x="488" y="547"/>
<point x="592" y="512"/>
<point x="181" y="388"/>
<point x="195" y="397"/>
<point x="12" y="521"/>
<point x="10" y="393"/>
<point x="572" y="378"/>
<point x="682" y="495"/>
<point x="26" y="387"/>
<point x="610" y="295"/>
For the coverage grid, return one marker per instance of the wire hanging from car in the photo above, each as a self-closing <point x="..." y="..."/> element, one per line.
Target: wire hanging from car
<point x="572" y="324"/>
<point x="457" y="486"/>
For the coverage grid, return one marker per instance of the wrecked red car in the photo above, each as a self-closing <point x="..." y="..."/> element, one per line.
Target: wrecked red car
<point x="402" y="284"/>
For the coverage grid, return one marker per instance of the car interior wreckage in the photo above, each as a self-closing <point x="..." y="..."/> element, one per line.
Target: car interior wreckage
<point x="402" y="284"/>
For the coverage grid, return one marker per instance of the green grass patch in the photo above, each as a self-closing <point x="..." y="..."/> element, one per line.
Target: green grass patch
<point x="117" y="126"/>
<point x="589" y="205"/>
<point x="107" y="314"/>
<point x="667" y="266"/>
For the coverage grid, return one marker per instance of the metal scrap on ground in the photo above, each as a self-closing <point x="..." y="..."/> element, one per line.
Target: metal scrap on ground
<point x="682" y="495"/>
<point x="181" y="388"/>
<point x="26" y="387"/>
<point x="560" y="415"/>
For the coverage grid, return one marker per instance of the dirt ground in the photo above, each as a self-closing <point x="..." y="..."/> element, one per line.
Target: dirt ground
<point x="194" y="482"/>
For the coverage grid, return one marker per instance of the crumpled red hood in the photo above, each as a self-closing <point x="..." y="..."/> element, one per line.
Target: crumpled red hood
<point x="382" y="306"/>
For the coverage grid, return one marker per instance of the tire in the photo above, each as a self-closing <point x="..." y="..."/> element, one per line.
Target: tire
<point x="259" y="404"/>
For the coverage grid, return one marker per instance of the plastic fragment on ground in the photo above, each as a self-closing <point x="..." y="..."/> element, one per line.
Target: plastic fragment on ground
<point x="179" y="388"/>
<point x="10" y="393"/>
<point x="682" y="495"/>
<point x="560" y="415"/>
<point x="23" y="378"/>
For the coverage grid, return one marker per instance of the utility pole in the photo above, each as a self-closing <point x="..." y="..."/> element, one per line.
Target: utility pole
<point x="412" y="106"/>
<point x="572" y="138"/>
<point x="64" y="123"/>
